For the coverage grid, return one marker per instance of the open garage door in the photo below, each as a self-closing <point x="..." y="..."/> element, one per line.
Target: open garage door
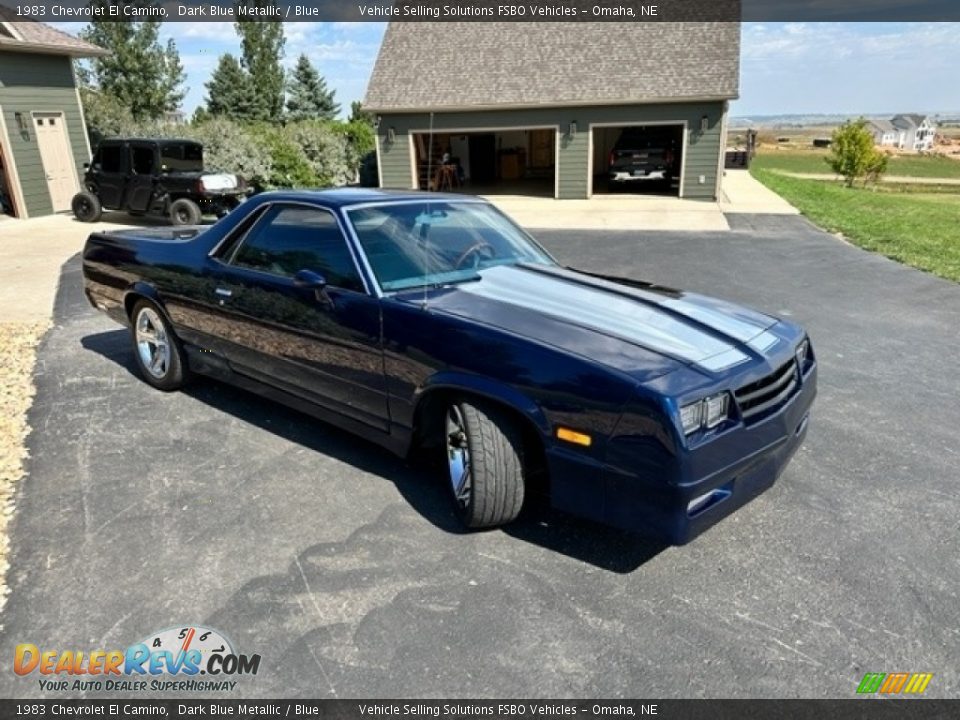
<point x="642" y="159"/>
<point x="488" y="162"/>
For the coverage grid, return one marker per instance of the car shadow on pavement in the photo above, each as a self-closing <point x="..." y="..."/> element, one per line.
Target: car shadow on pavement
<point x="604" y="547"/>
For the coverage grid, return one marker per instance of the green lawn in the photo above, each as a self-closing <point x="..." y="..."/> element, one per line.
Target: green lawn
<point x="917" y="229"/>
<point x="811" y="161"/>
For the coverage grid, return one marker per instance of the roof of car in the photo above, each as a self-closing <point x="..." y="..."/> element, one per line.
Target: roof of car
<point x="347" y="196"/>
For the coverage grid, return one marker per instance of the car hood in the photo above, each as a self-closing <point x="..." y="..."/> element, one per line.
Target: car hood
<point x="642" y="329"/>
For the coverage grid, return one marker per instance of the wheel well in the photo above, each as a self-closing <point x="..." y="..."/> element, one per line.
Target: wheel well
<point x="428" y="427"/>
<point x="133" y="297"/>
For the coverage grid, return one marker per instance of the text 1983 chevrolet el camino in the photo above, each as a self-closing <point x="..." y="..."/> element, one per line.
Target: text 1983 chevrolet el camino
<point x="432" y="321"/>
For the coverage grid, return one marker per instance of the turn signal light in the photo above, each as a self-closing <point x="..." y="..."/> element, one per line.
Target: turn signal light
<point x="572" y="436"/>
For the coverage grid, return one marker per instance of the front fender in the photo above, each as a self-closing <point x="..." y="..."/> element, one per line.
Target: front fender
<point x="451" y="380"/>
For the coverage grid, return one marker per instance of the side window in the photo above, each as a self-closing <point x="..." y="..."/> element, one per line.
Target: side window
<point x="110" y="158"/>
<point x="141" y="160"/>
<point x="291" y="238"/>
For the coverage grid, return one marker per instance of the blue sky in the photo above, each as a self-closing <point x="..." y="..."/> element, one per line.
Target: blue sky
<point x="786" y="68"/>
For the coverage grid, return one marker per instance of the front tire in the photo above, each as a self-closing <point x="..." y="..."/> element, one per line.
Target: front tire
<point x="185" y="212"/>
<point x="86" y="207"/>
<point x="485" y="469"/>
<point x="159" y="355"/>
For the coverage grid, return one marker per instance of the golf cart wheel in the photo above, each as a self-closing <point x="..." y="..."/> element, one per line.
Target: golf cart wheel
<point x="86" y="207"/>
<point x="185" y="212"/>
<point x="485" y="471"/>
<point x="159" y="355"/>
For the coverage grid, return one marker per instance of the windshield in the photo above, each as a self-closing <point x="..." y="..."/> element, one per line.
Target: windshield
<point x="186" y="157"/>
<point x="412" y="244"/>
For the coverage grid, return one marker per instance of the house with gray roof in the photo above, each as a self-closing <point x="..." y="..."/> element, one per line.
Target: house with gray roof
<point x="43" y="136"/>
<point x="538" y="106"/>
<point x="909" y="131"/>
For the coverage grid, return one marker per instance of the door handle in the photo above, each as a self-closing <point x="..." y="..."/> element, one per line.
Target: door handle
<point x="224" y="294"/>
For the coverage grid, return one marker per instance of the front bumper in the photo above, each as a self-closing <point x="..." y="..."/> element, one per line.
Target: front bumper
<point x="675" y="499"/>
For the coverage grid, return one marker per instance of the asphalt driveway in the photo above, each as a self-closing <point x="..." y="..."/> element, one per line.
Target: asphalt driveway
<point x="346" y="571"/>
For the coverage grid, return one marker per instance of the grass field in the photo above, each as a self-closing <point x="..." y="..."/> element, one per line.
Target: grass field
<point x="812" y="161"/>
<point x="922" y="230"/>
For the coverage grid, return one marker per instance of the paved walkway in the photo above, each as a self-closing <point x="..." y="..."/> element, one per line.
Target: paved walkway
<point x="31" y="255"/>
<point x="612" y="212"/>
<point x="740" y="192"/>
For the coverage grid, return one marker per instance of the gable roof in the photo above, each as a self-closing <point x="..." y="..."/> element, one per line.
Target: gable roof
<point x="37" y="37"/>
<point x="471" y="65"/>
<point x="908" y="120"/>
<point x="883" y="125"/>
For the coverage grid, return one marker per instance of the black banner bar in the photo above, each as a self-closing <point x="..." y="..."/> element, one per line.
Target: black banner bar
<point x="856" y="709"/>
<point x="483" y="10"/>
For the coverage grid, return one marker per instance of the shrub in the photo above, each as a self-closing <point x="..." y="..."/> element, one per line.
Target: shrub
<point x="325" y="151"/>
<point x="230" y="147"/>
<point x="290" y="168"/>
<point x="853" y="155"/>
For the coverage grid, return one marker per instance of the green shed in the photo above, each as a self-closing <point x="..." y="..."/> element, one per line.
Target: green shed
<point x="537" y="107"/>
<point x="43" y="137"/>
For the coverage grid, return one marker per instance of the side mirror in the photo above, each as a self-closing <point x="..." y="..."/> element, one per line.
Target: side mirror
<point x="309" y="280"/>
<point x="86" y="166"/>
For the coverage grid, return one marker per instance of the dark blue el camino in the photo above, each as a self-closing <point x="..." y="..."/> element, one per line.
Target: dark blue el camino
<point x="433" y="321"/>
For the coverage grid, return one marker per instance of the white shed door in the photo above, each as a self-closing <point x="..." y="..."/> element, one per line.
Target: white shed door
<point x="58" y="164"/>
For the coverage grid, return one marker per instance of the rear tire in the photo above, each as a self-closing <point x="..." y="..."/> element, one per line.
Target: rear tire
<point x="86" y="207"/>
<point x="485" y="468"/>
<point x="158" y="352"/>
<point x="185" y="212"/>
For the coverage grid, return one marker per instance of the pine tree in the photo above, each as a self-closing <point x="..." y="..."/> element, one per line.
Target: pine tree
<point x="262" y="43"/>
<point x="139" y="73"/>
<point x="358" y="114"/>
<point x="309" y="98"/>
<point x="230" y="91"/>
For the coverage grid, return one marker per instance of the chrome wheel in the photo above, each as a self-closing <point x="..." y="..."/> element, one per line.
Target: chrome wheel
<point x="153" y="345"/>
<point x="458" y="457"/>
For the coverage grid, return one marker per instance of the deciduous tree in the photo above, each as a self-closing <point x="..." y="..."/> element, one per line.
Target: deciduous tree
<point x="140" y="72"/>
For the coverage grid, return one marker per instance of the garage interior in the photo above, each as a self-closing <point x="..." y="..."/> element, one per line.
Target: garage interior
<point x="505" y="162"/>
<point x="666" y="137"/>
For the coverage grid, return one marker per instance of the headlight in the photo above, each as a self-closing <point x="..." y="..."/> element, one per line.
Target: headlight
<point x="803" y="349"/>
<point x="706" y="413"/>
<point x="691" y="417"/>
<point x="715" y="410"/>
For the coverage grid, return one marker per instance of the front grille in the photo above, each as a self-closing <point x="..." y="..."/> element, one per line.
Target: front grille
<point x="767" y="394"/>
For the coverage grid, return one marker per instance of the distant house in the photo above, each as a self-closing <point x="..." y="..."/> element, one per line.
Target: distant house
<point x="906" y="132"/>
<point x="537" y="108"/>
<point x="43" y="137"/>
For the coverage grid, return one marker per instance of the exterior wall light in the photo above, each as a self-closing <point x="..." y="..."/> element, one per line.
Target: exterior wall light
<point x="704" y="123"/>
<point x="572" y="130"/>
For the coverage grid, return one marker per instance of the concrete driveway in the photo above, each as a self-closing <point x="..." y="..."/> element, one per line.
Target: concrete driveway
<point x="345" y="569"/>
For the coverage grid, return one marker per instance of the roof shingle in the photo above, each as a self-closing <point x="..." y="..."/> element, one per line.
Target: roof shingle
<point x="31" y="36"/>
<point x="452" y="65"/>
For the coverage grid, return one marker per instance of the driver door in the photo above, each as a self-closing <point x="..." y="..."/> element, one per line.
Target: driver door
<point x="322" y="345"/>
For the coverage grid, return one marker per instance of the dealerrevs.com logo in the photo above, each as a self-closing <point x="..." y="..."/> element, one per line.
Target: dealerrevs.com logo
<point x="168" y="661"/>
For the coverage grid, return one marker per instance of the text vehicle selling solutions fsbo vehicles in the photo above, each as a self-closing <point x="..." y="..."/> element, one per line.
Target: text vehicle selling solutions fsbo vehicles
<point x="430" y="321"/>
